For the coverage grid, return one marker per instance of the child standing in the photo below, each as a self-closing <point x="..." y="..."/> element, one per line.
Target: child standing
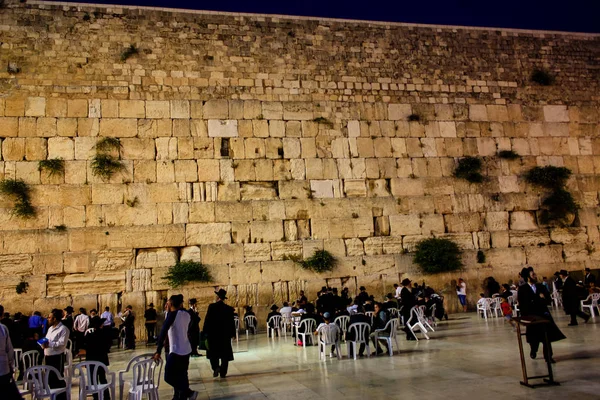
<point x="507" y="311"/>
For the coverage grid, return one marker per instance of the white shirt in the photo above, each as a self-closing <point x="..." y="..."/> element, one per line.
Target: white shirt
<point x="109" y="318"/>
<point x="178" y="338"/>
<point x="482" y="301"/>
<point x="398" y="290"/>
<point x="463" y="289"/>
<point x="286" y="310"/>
<point x="81" y="323"/>
<point x="57" y="340"/>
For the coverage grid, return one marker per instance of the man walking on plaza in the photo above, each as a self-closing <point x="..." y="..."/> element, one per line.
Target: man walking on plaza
<point x="571" y="299"/>
<point x="194" y="327"/>
<point x="219" y="327"/>
<point x="176" y="327"/>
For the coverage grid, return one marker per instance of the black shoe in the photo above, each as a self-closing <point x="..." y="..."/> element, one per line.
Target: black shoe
<point x="587" y="319"/>
<point x="533" y="355"/>
<point x="216" y="373"/>
<point x="223" y="376"/>
<point x="574" y="324"/>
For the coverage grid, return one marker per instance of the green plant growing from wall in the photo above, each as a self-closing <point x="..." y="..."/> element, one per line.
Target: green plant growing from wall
<point x="53" y="166"/>
<point x="436" y="255"/>
<point x="480" y="257"/>
<point x="542" y="77"/>
<point x="320" y="261"/>
<point x="129" y="52"/>
<point x="187" y="271"/>
<point x="22" y="287"/>
<point x="21" y="194"/>
<point x="105" y="166"/>
<point x="469" y="168"/>
<point x="508" y="155"/>
<point x="60" y="228"/>
<point x="323" y="121"/>
<point x="415" y="117"/>
<point x="558" y="206"/>
<point x="108" y="144"/>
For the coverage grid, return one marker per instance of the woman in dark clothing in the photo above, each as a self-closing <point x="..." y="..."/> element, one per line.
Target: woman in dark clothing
<point x="533" y="303"/>
<point x="96" y="349"/>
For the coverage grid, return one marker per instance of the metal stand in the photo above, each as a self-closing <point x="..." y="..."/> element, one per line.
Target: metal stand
<point x="548" y="380"/>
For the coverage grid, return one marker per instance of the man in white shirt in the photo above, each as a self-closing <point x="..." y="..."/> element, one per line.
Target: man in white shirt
<point x="80" y="325"/>
<point x="55" y="347"/>
<point x="176" y="327"/>
<point x="398" y="290"/>
<point x="109" y="322"/>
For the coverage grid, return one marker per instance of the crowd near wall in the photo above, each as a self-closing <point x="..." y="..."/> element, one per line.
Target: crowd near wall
<point x="248" y="140"/>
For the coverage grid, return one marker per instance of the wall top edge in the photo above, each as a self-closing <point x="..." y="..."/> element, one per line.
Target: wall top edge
<point x="308" y="18"/>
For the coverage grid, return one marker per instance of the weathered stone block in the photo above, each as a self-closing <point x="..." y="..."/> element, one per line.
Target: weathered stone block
<point x="496" y="221"/>
<point x="523" y="221"/>
<point x="405" y="225"/>
<point x="209" y="233"/>
<point x="160" y="257"/>
<point x="531" y="238"/>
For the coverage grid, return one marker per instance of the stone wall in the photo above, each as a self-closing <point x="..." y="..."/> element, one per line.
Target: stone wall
<point x="250" y="139"/>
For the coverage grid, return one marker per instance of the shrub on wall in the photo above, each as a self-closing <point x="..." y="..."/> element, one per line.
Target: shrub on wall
<point x="22" y="287"/>
<point x="21" y="193"/>
<point x="438" y="255"/>
<point x="53" y="166"/>
<point x="508" y="155"/>
<point x="548" y="177"/>
<point x="320" y="261"/>
<point x="559" y="207"/>
<point x="469" y="168"/>
<point x="187" y="271"/>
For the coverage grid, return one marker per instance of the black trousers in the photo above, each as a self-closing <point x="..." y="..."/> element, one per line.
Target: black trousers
<point x="130" y="337"/>
<point x="214" y="364"/>
<point x="176" y="375"/>
<point x="547" y="349"/>
<point x="151" y="331"/>
<point x="579" y="314"/>
<point x="57" y="362"/>
<point x="8" y="388"/>
<point x="101" y="379"/>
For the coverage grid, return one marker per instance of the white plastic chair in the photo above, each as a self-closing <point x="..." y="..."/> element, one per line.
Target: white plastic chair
<point x="250" y="321"/>
<point x="484" y="308"/>
<point x="393" y="312"/>
<point x="69" y="345"/>
<point x="236" y="321"/>
<point x="329" y="336"/>
<point x="146" y="379"/>
<point x="414" y="323"/>
<point x="431" y="318"/>
<point x="38" y="377"/>
<point x="360" y="331"/>
<point x="68" y="370"/>
<point x="88" y="380"/>
<point x="128" y="371"/>
<point x="18" y="356"/>
<point x="342" y="321"/>
<point x="286" y="322"/>
<point x="370" y="314"/>
<point x="593" y="303"/>
<point x="423" y="319"/>
<point x="389" y="332"/>
<point x="274" y="324"/>
<point x="307" y="326"/>
<point x="495" y="306"/>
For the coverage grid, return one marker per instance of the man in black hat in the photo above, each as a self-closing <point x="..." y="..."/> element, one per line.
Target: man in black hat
<point x="219" y="328"/>
<point x="273" y="313"/>
<point x="67" y="319"/>
<point x="588" y="278"/>
<point x="96" y="349"/>
<point x="362" y="296"/>
<point x="533" y="303"/>
<point x="570" y="299"/>
<point x="407" y="300"/>
<point x="194" y="331"/>
<point x="128" y="318"/>
<point x="150" y="317"/>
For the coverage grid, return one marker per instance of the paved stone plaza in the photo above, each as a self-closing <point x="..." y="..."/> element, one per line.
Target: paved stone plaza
<point x="466" y="358"/>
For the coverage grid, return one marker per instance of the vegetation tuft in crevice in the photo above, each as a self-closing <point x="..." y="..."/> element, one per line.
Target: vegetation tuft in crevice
<point x="469" y="168"/>
<point x="323" y="121"/>
<point x="558" y="207"/>
<point x="53" y="166"/>
<point x="436" y="255"/>
<point x="106" y="166"/>
<point x="508" y="154"/>
<point x="20" y="192"/>
<point x="22" y="287"/>
<point x="187" y="271"/>
<point x="542" y="77"/>
<point x="129" y="52"/>
<point x="320" y="261"/>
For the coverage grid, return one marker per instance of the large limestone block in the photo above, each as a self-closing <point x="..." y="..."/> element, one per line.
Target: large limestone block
<point x="543" y="255"/>
<point x="77" y="262"/>
<point x="463" y="240"/>
<point x="286" y="250"/>
<point x="432" y="223"/>
<point x="257" y="191"/>
<point x="406" y="187"/>
<point x="478" y="112"/>
<point x="209" y="233"/>
<point x="380" y="265"/>
<point x="509" y="256"/>
<point x="132" y="109"/>
<point x="405" y="225"/>
<point x="59" y="147"/>
<point x="463" y="222"/>
<point x="138" y="280"/>
<point x="399" y="112"/>
<point x="79" y="284"/>
<point x="35" y="107"/>
<point x="15" y="264"/>
<point x="496" y="221"/>
<point x="118" y="127"/>
<point x="293" y="189"/>
<point x="373" y="246"/>
<point x="158" y="109"/>
<point x="128" y="237"/>
<point x="216" y="109"/>
<point x="232" y="211"/>
<point x="322" y="188"/>
<point x="355" y="247"/>
<point x="222" y="253"/>
<point x="568" y="235"/>
<point x="523" y="221"/>
<point x="48" y="263"/>
<point x="46" y="304"/>
<point x="529" y="238"/>
<point x="188" y="253"/>
<point x="355" y="188"/>
<point x="113" y="260"/>
<point x="87" y="301"/>
<point x="125" y="215"/>
<point x="138" y="149"/>
<point x="556" y="114"/>
<point x="110" y="300"/>
<point x="66" y="195"/>
<point x="222" y="128"/>
<point x="299" y="111"/>
<point x="257" y="252"/>
<point x="266" y="231"/>
<point x="378" y="188"/>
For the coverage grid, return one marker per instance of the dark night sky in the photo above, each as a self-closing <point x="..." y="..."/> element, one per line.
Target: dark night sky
<point x="574" y="16"/>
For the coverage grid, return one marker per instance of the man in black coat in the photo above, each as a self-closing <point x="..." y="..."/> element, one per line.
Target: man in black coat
<point x="219" y="328"/>
<point x="588" y="278"/>
<point x="355" y="318"/>
<point x="533" y="303"/>
<point x="194" y="331"/>
<point x="570" y="298"/>
<point x="407" y="301"/>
